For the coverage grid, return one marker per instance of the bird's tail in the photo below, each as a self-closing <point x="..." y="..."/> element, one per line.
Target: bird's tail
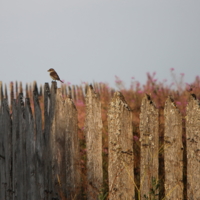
<point x="61" y="81"/>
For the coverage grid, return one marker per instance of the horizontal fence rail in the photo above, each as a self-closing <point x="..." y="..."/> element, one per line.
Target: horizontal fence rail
<point x="42" y="153"/>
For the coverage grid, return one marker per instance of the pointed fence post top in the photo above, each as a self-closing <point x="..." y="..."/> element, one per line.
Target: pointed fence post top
<point x="1" y="93"/>
<point x="170" y="106"/>
<point x="90" y="92"/>
<point x="146" y="101"/>
<point x="193" y="104"/>
<point x="118" y="99"/>
<point x="46" y="89"/>
<point x="170" y="101"/>
<point x="53" y="86"/>
<point x="193" y="143"/>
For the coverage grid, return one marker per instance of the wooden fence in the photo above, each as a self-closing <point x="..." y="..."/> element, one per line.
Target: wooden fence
<point x="42" y="160"/>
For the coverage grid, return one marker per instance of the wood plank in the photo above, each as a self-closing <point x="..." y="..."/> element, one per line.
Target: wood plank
<point x="173" y="151"/>
<point x="149" y="148"/>
<point x="193" y="147"/>
<point x="120" y="139"/>
<point x="39" y="146"/>
<point x="30" y="152"/>
<point x="93" y="133"/>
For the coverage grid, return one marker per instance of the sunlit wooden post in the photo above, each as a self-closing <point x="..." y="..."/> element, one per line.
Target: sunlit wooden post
<point x="173" y="152"/>
<point x="93" y="132"/>
<point x="149" y="147"/>
<point x="120" y="138"/>
<point x="193" y="148"/>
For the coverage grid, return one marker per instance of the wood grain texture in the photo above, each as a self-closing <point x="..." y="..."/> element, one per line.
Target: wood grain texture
<point x="39" y="146"/>
<point x="93" y="133"/>
<point x="193" y="148"/>
<point x="120" y="169"/>
<point x="31" y="190"/>
<point x="173" y="151"/>
<point x="65" y="149"/>
<point x="149" y="146"/>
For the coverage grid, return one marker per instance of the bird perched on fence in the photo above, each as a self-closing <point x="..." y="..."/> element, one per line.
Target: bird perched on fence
<point x="54" y="75"/>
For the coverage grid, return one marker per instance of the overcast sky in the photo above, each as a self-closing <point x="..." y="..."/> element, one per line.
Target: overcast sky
<point x="94" y="40"/>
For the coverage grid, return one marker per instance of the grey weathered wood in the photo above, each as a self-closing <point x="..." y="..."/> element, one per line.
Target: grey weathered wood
<point x="52" y="141"/>
<point x="2" y="151"/>
<point x="8" y="147"/>
<point x="19" y="149"/>
<point x="1" y="93"/>
<point x="5" y="152"/>
<point x="173" y="151"/>
<point x="16" y="89"/>
<point x="31" y="190"/>
<point x="149" y="147"/>
<point x="93" y="133"/>
<point x="2" y="155"/>
<point x="193" y="148"/>
<point x="15" y="128"/>
<point x="120" y="139"/>
<point x="47" y="152"/>
<point x="5" y="92"/>
<point x="21" y="185"/>
<point x="11" y="94"/>
<point x="39" y="146"/>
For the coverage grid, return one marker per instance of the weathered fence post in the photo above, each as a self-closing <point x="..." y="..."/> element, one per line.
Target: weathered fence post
<point x="19" y="149"/>
<point x="2" y="151"/>
<point x="47" y="152"/>
<point x="149" y="149"/>
<point x="30" y="152"/>
<point x="2" y="154"/>
<point x="64" y="149"/>
<point x="7" y="127"/>
<point x="193" y="148"/>
<point x="93" y="131"/>
<point x="72" y="157"/>
<point x="120" y="139"/>
<point x="39" y="145"/>
<point x="5" y="152"/>
<point x="173" y="152"/>
<point x="52" y="141"/>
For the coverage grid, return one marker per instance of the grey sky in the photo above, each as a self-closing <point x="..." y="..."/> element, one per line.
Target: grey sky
<point x="86" y="40"/>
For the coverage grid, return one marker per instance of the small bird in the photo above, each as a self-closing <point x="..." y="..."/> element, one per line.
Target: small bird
<point x="54" y="75"/>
